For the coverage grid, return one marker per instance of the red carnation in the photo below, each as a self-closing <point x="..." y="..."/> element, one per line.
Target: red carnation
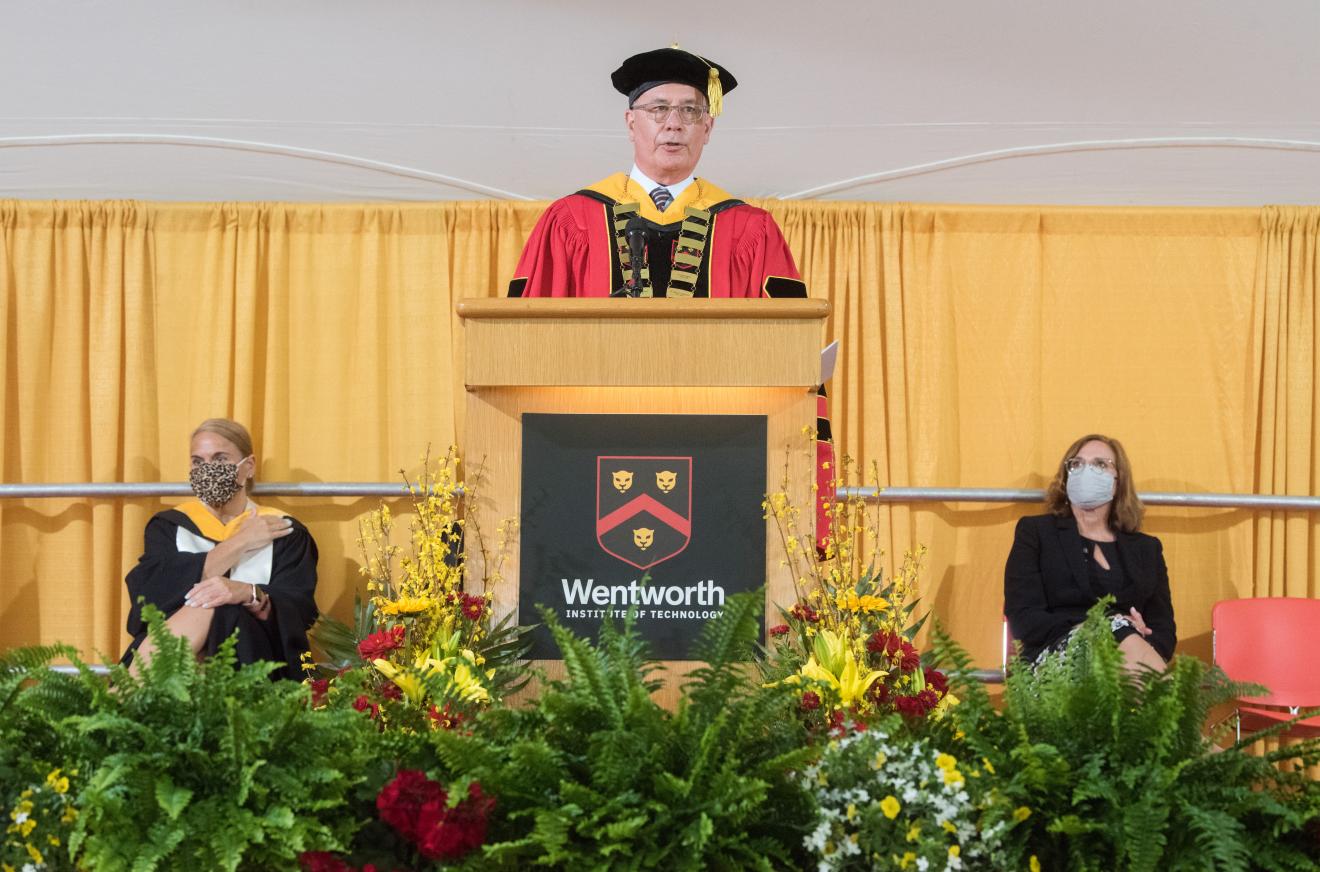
<point x="322" y="861"/>
<point x="910" y="660"/>
<point x="937" y="681"/>
<point x="810" y="701"/>
<point x="400" y="801"/>
<point x="320" y="687"/>
<point x="473" y="607"/>
<point x="910" y="706"/>
<point x="379" y="644"/>
<point x="365" y="705"/>
<point x="929" y="699"/>
<point x="804" y="612"/>
<point x="884" y="642"/>
<point x="879" y="693"/>
<point x="390" y="690"/>
<point x="780" y="630"/>
<point x="449" y="833"/>
<point x="444" y="718"/>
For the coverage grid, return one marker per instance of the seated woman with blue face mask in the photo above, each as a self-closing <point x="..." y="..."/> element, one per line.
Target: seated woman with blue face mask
<point x="1089" y="546"/>
<point x="221" y="565"/>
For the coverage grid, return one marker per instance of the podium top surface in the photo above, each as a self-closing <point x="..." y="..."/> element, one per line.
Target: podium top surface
<point x="642" y="342"/>
<point x="624" y="309"/>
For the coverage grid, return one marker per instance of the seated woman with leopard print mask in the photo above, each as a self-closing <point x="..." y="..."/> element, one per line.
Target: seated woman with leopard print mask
<point x="221" y="564"/>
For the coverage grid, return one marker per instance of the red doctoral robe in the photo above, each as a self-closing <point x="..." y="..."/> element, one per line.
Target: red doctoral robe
<point x="572" y="250"/>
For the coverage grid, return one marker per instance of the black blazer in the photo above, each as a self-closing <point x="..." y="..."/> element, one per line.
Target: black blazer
<point x="1047" y="586"/>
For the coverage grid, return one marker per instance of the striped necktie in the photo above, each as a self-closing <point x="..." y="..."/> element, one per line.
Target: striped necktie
<point x="662" y="198"/>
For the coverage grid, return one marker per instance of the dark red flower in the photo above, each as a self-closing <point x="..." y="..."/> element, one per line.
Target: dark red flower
<point x="322" y="861"/>
<point x="910" y="706"/>
<point x="390" y="690"/>
<point x="780" y="630"/>
<point x="366" y="706"/>
<point x="884" y="642"/>
<point x="380" y="644"/>
<point x="804" y="612"/>
<point x="474" y="607"/>
<point x="449" y="833"/>
<point x="937" y="681"/>
<point x="929" y="699"/>
<point x="401" y="801"/>
<point x="445" y="718"/>
<point x="878" y="693"/>
<point x="810" y="701"/>
<point x="910" y="660"/>
<point x="320" y="687"/>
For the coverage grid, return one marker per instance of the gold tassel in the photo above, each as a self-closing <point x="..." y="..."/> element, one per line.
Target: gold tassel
<point x="715" y="93"/>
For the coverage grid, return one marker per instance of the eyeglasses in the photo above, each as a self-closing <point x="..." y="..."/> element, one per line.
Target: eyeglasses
<point x="1099" y="464"/>
<point x="659" y="112"/>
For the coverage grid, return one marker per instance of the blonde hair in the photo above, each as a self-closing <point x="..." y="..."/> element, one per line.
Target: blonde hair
<point x="1126" y="511"/>
<point x="235" y="433"/>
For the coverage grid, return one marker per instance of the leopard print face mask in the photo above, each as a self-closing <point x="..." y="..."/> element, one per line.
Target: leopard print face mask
<point x="215" y="482"/>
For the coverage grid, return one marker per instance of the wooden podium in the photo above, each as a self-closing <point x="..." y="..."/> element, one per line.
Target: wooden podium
<point x="637" y="356"/>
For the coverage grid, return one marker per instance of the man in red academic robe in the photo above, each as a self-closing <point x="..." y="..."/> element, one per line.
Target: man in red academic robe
<point x="659" y="230"/>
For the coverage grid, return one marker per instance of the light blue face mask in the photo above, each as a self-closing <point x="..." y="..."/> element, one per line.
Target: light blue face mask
<point x="1089" y="488"/>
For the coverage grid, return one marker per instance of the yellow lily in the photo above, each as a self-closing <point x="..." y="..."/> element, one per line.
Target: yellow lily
<point x="406" y="681"/>
<point x="828" y="649"/>
<point x="834" y="663"/>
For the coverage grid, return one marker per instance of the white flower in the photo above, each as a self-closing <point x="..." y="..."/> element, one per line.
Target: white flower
<point x="816" y="841"/>
<point x="922" y="864"/>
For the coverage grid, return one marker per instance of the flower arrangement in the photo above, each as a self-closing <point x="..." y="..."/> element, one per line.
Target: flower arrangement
<point x="423" y="653"/>
<point x="886" y="800"/>
<point x="847" y="640"/>
<point x="36" y="829"/>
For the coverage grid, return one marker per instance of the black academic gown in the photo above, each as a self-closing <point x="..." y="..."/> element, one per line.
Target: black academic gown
<point x="172" y="562"/>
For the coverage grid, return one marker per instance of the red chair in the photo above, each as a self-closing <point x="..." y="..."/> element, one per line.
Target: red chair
<point x="1275" y="642"/>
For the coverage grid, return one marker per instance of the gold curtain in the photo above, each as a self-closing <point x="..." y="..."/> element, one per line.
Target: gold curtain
<point x="1283" y="397"/>
<point x="977" y="343"/>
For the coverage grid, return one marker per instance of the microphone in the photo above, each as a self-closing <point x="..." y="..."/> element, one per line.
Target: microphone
<point x="635" y="233"/>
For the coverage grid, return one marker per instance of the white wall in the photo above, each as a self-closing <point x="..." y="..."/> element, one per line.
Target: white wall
<point x="1174" y="102"/>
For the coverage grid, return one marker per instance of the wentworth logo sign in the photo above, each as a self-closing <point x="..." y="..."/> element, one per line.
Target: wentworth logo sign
<point x="643" y="507"/>
<point x="655" y="515"/>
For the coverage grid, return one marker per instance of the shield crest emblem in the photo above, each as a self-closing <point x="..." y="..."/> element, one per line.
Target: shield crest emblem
<point x="643" y="507"/>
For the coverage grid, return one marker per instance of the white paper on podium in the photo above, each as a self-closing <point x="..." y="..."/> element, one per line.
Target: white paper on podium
<point x="828" y="357"/>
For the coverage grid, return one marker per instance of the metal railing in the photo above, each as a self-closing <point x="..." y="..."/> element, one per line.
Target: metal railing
<point x="1258" y="502"/>
<point x="124" y="490"/>
<point x="896" y="495"/>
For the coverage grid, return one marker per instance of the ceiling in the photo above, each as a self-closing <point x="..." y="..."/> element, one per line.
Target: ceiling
<point x="1193" y="102"/>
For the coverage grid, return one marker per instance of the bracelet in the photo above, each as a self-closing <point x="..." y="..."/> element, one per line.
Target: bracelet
<point x="254" y="596"/>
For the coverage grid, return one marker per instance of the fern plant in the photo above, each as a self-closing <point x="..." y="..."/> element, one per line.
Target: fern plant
<point x="200" y="765"/>
<point x="1118" y="771"/>
<point x="596" y="775"/>
<point x="35" y="806"/>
